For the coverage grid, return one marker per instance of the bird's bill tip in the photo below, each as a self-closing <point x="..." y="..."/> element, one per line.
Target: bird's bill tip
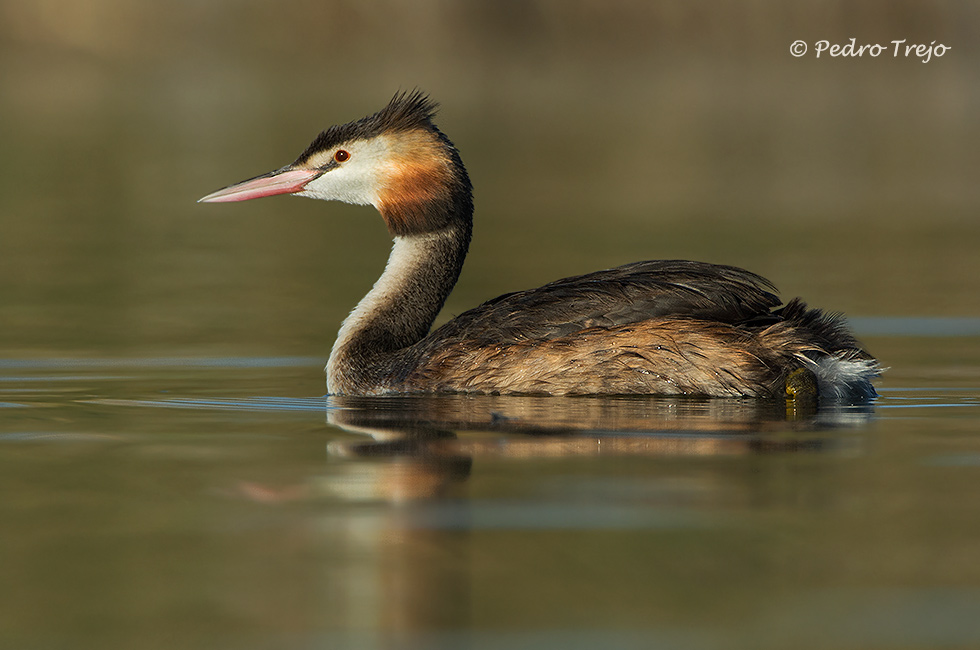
<point x="288" y="181"/>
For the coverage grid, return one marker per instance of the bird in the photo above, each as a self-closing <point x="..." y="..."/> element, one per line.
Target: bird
<point x="660" y="327"/>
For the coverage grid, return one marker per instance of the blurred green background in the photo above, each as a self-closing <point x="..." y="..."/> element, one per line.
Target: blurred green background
<point x="173" y="504"/>
<point x="596" y="133"/>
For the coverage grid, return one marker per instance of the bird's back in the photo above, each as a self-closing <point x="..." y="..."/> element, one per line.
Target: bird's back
<point x="620" y="296"/>
<point x="664" y="327"/>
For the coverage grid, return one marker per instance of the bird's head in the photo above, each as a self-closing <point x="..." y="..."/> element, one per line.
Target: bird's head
<point x="396" y="160"/>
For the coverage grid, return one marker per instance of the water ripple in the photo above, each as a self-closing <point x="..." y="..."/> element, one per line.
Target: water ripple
<point x="159" y="362"/>
<point x="316" y="404"/>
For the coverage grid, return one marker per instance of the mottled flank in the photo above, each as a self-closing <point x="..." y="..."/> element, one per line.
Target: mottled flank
<point x="661" y="327"/>
<point x="667" y="357"/>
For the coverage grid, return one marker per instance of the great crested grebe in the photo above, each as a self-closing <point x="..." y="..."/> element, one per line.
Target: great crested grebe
<point x="658" y="327"/>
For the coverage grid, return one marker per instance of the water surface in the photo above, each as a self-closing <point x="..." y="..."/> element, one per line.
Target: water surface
<point x="210" y="502"/>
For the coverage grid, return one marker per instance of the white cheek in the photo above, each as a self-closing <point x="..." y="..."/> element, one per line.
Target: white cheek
<point x="357" y="180"/>
<point x="348" y="183"/>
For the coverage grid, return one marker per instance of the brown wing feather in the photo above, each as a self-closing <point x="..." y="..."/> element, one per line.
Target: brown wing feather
<point x="619" y="296"/>
<point x="665" y="327"/>
<point x="665" y="357"/>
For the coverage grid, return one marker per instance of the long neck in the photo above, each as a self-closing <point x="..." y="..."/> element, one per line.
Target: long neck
<point x="399" y="310"/>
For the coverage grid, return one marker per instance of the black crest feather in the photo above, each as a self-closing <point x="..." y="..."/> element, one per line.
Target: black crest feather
<point x="405" y="112"/>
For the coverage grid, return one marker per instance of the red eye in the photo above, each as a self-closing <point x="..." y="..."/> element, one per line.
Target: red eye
<point x="341" y="155"/>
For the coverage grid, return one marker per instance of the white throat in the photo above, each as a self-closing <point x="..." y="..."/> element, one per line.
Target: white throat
<point x="409" y="257"/>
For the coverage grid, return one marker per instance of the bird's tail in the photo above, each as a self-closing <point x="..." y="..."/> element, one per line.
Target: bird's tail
<point x="824" y="344"/>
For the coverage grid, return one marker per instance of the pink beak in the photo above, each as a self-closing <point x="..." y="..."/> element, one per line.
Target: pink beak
<point x="283" y="181"/>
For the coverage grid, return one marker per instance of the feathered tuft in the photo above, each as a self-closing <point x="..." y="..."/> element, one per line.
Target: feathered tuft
<point x="406" y="111"/>
<point x="845" y="377"/>
<point x="843" y="369"/>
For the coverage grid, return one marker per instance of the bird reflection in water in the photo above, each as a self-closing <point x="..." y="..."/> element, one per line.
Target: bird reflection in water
<point x="426" y="444"/>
